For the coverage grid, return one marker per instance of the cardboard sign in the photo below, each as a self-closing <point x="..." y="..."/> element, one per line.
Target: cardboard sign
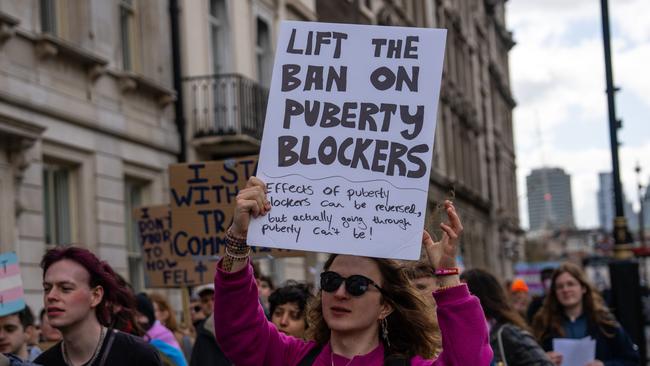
<point x="163" y="265"/>
<point x="348" y="138"/>
<point x="202" y="203"/>
<point x="12" y="296"/>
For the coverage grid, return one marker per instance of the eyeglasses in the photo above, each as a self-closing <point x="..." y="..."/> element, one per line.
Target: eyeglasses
<point x="355" y="285"/>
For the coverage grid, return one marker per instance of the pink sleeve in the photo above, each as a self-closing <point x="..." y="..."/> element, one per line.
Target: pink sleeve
<point x="465" y="339"/>
<point x="241" y="328"/>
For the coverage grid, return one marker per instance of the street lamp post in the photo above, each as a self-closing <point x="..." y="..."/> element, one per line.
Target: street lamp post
<point x="640" y="188"/>
<point x="624" y="272"/>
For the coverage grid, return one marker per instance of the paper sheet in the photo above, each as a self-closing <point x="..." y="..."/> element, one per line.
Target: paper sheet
<point x="575" y="352"/>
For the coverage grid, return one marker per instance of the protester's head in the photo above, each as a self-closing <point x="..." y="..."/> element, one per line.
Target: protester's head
<point x="146" y="315"/>
<point x="206" y="298"/>
<point x="492" y="295"/>
<point x="545" y="275"/>
<point x="423" y="278"/>
<point x="196" y="310"/>
<point x="570" y="290"/>
<point x="77" y="284"/>
<point x="164" y="312"/>
<point x="519" y="296"/>
<point x="287" y="307"/>
<point x="357" y="305"/>
<point x="48" y="333"/>
<point x="264" y="287"/>
<point x="15" y="331"/>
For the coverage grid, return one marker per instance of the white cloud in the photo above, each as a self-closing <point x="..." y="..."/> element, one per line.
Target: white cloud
<point x="557" y="70"/>
<point x="631" y="16"/>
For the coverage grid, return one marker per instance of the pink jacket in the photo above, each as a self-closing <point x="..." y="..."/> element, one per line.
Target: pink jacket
<point x="249" y="339"/>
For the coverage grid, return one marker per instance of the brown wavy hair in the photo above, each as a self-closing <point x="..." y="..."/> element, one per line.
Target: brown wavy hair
<point x="492" y="295"/>
<point x="548" y="320"/>
<point x="412" y="326"/>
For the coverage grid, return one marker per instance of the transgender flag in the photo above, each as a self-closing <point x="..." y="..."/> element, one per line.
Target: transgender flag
<point x="12" y="298"/>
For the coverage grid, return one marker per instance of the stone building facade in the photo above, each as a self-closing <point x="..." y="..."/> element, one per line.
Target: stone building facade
<point x="86" y="127"/>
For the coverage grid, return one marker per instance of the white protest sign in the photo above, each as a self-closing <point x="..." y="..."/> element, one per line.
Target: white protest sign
<point x="348" y="139"/>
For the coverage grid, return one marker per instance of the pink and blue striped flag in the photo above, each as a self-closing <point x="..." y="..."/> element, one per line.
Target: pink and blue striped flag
<point x="12" y="298"/>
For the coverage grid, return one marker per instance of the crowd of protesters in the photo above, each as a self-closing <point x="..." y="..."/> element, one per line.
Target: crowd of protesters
<point x="365" y="311"/>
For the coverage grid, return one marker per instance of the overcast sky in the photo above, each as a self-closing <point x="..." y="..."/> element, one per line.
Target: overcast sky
<point x="558" y="79"/>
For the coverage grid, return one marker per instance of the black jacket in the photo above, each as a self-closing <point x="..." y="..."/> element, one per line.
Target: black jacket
<point x="519" y="347"/>
<point x="618" y="350"/>
<point x="206" y="351"/>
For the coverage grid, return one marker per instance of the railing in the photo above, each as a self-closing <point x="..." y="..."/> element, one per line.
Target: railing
<point x="227" y="104"/>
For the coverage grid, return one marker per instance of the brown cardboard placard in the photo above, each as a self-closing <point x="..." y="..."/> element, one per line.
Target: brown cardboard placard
<point x="163" y="267"/>
<point x="202" y="202"/>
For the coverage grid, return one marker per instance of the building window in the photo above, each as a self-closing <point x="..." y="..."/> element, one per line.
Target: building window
<point x="263" y="52"/>
<point x="217" y="23"/>
<point x="128" y="33"/>
<point x="48" y="17"/>
<point x="59" y="17"/>
<point x="59" y="209"/>
<point x="133" y="192"/>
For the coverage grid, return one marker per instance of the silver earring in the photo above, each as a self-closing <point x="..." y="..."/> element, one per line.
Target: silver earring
<point x="384" y="331"/>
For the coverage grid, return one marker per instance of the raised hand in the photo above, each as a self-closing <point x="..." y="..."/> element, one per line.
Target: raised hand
<point x="442" y="254"/>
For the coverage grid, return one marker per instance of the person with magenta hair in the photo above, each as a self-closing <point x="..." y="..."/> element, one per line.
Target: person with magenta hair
<point x="365" y="313"/>
<point x="79" y="296"/>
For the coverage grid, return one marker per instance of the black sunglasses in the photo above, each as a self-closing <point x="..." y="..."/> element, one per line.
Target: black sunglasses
<point x="355" y="285"/>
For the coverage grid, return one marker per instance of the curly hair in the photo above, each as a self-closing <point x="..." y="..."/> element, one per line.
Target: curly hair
<point x="101" y="274"/>
<point x="548" y="320"/>
<point x="412" y="325"/>
<point x="292" y="291"/>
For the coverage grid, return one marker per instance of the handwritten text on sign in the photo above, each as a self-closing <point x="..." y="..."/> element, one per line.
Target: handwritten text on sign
<point x="348" y="138"/>
<point x="164" y="267"/>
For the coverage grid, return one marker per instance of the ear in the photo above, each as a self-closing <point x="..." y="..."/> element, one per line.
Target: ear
<point x="29" y="332"/>
<point x="96" y="296"/>
<point x="386" y="310"/>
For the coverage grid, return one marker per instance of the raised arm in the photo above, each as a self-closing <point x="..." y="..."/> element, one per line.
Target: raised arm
<point x="463" y="327"/>
<point x="442" y="254"/>
<point x="241" y="328"/>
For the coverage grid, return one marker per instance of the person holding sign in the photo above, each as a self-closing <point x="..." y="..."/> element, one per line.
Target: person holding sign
<point x="366" y="313"/>
<point x="573" y="308"/>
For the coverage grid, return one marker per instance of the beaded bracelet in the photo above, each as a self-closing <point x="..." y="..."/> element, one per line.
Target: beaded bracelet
<point x="236" y="240"/>
<point x="237" y="256"/>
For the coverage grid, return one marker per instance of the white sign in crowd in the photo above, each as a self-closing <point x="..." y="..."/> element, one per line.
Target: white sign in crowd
<point x="348" y="139"/>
